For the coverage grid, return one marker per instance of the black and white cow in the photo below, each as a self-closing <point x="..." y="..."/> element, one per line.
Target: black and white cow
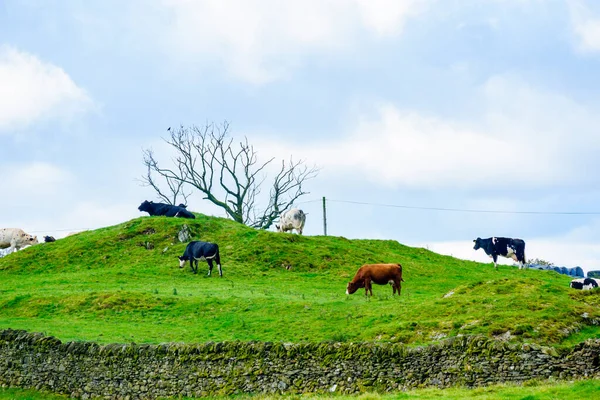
<point x="584" y="283"/>
<point x="168" y="210"/>
<point x="201" y="251"/>
<point x="505" y="247"/>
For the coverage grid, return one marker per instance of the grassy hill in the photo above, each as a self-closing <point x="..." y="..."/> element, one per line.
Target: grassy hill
<point x="122" y="284"/>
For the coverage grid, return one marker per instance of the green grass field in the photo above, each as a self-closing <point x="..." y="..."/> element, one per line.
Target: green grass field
<point x="107" y="286"/>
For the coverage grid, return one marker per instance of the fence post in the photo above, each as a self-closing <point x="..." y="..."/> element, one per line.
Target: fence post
<point x="324" y="217"/>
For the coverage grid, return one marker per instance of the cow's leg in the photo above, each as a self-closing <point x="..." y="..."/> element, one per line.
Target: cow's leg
<point x="396" y="286"/>
<point x="209" y="261"/>
<point x="522" y="259"/>
<point x="495" y="258"/>
<point x="194" y="270"/>
<point x="218" y="260"/>
<point x="368" y="287"/>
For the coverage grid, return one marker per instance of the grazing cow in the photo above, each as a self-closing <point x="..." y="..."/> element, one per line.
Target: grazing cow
<point x="15" y="239"/>
<point x="380" y="274"/>
<point x="584" y="283"/>
<point x="290" y="220"/>
<point x="49" y="239"/>
<point x="201" y="251"/>
<point x="505" y="247"/>
<point x="168" y="210"/>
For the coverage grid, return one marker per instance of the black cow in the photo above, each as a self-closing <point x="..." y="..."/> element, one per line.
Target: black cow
<point x="584" y="284"/>
<point x="49" y="239"/>
<point x="200" y="251"/>
<point x="168" y="210"/>
<point x="506" y="247"/>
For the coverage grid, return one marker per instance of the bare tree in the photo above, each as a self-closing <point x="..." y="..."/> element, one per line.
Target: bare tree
<point x="230" y="176"/>
<point x="176" y="187"/>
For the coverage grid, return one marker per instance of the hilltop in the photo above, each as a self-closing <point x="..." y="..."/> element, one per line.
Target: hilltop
<point x="122" y="284"/>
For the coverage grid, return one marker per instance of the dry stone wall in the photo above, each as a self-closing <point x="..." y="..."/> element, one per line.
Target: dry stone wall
<point x="131" y="371"/>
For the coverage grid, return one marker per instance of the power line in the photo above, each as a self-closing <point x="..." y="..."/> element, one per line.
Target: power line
<point x="308" y="201"/>
<point x="467" y="210"/>
<point x="60" y="230"/>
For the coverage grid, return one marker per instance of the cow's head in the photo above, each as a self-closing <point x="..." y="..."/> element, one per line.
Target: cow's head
<point x="145" y="206"/>
<point x="352" y="287"/>
<point x="477" y="243"/>
<point x="182" y="261"/>
<point x="31" y="239"/>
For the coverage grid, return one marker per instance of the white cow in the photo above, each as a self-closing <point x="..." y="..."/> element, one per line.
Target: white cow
<point x="15" y="239"/>
<point x="290" y="220"/>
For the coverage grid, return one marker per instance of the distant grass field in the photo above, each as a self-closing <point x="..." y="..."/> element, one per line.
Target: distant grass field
<point x="530" y="391"/>
<point x="122" y="284"/>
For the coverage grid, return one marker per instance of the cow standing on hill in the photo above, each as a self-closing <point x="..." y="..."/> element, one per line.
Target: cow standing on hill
<point x="201" y="251"/>
<point x="168" y="210"/>
<point x="15" y="239"/>
<point x="380" y="274"/>
<point x="290" y="220"/>
<point x="505" y="247"/>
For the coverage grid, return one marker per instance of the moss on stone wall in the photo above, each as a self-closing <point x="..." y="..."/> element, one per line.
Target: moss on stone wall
<point x="85" y="369"/>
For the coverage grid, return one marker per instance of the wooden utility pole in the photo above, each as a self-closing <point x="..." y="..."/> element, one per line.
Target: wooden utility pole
<point x="324" y="217"/>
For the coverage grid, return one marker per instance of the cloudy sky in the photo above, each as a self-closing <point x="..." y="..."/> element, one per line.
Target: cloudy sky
<point x="485" y="105"/>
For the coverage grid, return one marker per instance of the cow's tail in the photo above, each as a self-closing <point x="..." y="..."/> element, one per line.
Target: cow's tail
<point x="218" y="256"/>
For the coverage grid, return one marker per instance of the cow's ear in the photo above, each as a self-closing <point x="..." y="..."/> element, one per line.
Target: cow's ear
<point x="474" y="240"/>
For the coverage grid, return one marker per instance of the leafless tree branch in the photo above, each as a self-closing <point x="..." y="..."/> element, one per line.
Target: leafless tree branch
<point x="176" y="186"/>
<point x="228" y="175"/>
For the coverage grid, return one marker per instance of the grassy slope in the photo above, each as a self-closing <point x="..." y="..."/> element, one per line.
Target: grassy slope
<point x="105" y="286"/>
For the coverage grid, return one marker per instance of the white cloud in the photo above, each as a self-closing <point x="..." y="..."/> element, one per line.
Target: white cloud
<point x="260" y="41"/>
<point x="34" y="179"/>
<point x="33" y="90"/>
<point x="92" y="215"/>
<point x="524" y="137"/>
<point x="585" y="25"/>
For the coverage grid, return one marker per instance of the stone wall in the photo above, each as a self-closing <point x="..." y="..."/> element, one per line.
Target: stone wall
<point x="85" y="369"/>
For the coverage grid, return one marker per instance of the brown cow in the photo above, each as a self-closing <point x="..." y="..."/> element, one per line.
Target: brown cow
<point x="380" y="274"/>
